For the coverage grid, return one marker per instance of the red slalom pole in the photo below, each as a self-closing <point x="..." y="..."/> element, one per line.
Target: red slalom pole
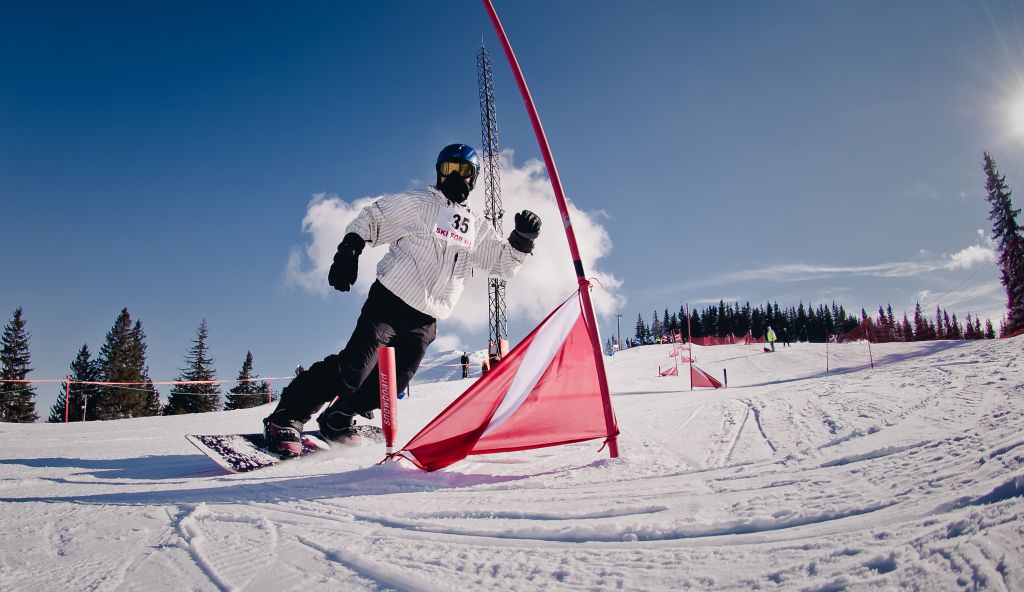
<point x="388" y="396"/>
<point x="556" y="185"/>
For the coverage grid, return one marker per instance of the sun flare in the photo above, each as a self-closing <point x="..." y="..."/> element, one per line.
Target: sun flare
<point x="1017" y="116"/>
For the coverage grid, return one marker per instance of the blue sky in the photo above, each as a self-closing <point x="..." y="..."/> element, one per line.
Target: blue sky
<point x="164" y="157"/>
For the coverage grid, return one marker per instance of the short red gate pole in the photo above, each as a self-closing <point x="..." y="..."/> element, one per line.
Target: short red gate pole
<point x="388" y="396"/>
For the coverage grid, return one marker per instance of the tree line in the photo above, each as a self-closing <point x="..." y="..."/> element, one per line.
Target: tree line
<point x="121" y="360"/>
<point x="817" y="323"/>
<point x="808" y="323"/>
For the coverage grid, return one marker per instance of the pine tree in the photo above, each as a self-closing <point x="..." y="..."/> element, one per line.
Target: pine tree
<point x="990" y="333"/>
<point x="815" y="326"/>
<point x="696" y="324"/>
<point x="122" y="359"/>
<point x="154" y="406"/>
<point x="744" y="326"/>
<point x="246" y="393"/>
<point x="195" y="398"/>
<point x="17" y="399"/>
<point x="708" y="322"/>
<point x="83" y="396"/>
<point x="1009" y="239"/>
<point x="920" y="327"/>
<point x="641" y="328"/>
<point x="756" y="322"/>
<point x="829" y="322"/>
<point x="148" y="403"/>
<point x="957" y="331"/>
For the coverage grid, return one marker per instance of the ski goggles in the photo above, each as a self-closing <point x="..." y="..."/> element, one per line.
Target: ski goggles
<point x="452" y="167"/>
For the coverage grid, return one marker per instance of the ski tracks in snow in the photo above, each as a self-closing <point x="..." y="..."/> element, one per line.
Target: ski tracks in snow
<point x="909" y="475"/>
<point x="230" y="548"/>
<point x="734" y="434"/>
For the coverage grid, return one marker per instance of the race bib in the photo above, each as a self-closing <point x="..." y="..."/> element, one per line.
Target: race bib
<point x="456" y="227"/>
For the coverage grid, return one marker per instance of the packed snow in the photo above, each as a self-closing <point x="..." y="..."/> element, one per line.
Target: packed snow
<point x="909" y="474"/>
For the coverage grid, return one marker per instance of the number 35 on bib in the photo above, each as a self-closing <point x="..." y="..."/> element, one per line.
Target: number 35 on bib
<point x="455" y="227"/>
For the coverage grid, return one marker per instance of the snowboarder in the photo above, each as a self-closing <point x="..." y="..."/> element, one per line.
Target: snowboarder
<point x="464" y="362"/>
<point x="771" y="338"/>
<point x="435" y="242"/>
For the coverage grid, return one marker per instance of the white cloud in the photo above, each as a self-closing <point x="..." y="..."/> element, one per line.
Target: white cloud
<point x="545" y="280"/>
<point x="325" y="221"/>
<point x="986" y="300"/>
<point x="966" y="258"/>
<point x="447" y="342"/>
<point x="548" y="277"/>
<point x="797" y="272"/>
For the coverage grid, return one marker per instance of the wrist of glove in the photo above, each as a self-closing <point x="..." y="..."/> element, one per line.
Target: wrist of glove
<point x="345" y="267"/>
<point x="527" y="230"/>
<point x="352" y="242"/>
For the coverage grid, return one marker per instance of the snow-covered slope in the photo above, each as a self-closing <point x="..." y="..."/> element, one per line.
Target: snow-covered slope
<point x="909" y="474"/>
<point x="445" y="366"/>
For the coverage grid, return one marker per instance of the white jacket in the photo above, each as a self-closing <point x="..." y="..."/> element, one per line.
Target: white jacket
<point x="435" y="245"/>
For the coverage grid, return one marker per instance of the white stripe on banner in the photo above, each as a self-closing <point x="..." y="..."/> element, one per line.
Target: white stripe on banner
<point x="536" y="360"/>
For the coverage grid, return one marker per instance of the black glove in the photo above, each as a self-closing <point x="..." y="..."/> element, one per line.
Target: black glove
<point x="346" y="263"/>
<point x="527" y="230"/>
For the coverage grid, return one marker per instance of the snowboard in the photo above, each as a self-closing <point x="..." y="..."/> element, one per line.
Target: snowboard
<point x="242" y="453"/>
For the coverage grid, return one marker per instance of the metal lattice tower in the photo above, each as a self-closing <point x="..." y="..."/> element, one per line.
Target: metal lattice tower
<point x="493" y="212"/>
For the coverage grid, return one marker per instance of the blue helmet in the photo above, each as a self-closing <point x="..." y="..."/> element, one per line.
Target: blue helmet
<point x="459" y="153"/>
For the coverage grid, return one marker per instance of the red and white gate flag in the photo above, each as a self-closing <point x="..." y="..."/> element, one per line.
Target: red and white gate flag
<point x="545" y="392"/>
<point x="699" y="377"/>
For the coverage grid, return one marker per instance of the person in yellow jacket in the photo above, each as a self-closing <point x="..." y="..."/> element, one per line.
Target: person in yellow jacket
<point x="771" y="337"/>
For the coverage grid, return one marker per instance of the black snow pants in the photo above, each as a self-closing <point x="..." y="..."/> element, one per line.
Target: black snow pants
<point x="351" y="375"/>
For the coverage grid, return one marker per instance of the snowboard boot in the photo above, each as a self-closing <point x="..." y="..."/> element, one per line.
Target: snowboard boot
<point x="338" y="425"/>
<point x="284" y="436"/>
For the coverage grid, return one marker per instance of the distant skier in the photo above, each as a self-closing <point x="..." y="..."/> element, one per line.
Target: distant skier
<point x="771" y="338"/>
<point x="435" y="244"/>
<point x="464" y="362"/>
